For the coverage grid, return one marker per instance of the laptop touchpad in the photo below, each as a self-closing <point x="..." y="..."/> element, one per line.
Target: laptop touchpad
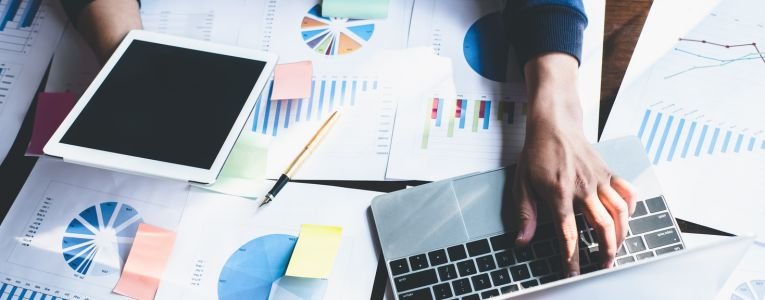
<point x="480" y="199"/>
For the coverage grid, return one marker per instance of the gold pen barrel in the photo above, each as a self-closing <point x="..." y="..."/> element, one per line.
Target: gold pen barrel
<point x="311" y="145"/>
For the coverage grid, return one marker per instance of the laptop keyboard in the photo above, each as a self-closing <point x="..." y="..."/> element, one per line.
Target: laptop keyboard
<point x="493" y="266"/>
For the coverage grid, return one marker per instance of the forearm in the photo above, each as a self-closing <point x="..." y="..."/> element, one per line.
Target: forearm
<point x="104" y="23"/>
<point x="552" y="84"/>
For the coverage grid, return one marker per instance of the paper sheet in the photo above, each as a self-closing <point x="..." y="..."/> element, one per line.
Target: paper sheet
<point x="51" y="110"/>
<point x="146" y="262"/>
<point x="292" y="80"/>
<point x="228" y="248"/>
<point x="370" y="9"/>
<point x="244" y="172"/>
<point x="296" y="288"/>
<point x="692" y="95"/>
<point x="341" y="50"/>
<point x="315" y="252"/>
<point x="71" y="227"/>
<point x="27" y="41"/>
<point x="481" y="125"/>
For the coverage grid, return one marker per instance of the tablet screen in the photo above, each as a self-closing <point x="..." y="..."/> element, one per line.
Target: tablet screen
<point x="166" y="103"/>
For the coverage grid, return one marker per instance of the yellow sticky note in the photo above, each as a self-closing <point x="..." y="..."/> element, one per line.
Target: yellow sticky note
<point x="315" y="251"/>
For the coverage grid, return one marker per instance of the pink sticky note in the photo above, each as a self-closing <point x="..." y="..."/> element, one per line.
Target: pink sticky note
<point x="292" y="81"/>
<point x="51" y="110"/>
<point x="146" y="262"/>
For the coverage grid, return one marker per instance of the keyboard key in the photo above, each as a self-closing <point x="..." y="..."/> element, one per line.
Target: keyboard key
<point x="490" y="293"/>
<point x="509" y="289"/>
<point x="447" y="273"/>
<point x="650" y="223"/>
<point x="461" y="286"/>
<point x="543" y="249"/>
<point x="478" y="247"/>
<point x="584" y="257"/>
<point x="548" y="278"/>
<point x="556" y="246"/>
<point x="622" y="251"/>
<point x="415" y="280"/>
<point x="556" y="264"/>
<point x="539" y="268"/>
<point x="481" y="282"/>
<point x="625" y="260"/>
<point x="635" y="244"/>
<point x="500" y="277"/>
<point x="418" y="262"/>
<point x="524" y="254"/>
<point x="416" y="295"/>
<point x="437" y="257"/>
<point x="471" y="297"/>
<point x="662" y="238"/>
<point x="442" y="291"/>
<point x="485" y="263"/>
<point x="456" y="253"/>
<point x="520" y="272"/>
<point x="594" y="257"/>
<point x="466" y="268"/>
<point x="530" y="283"/>
<point x="501" y="242"/>
<point x="640" y="209"/>
<point x="644" y="255"/>
<point x="504" y="258"/>
<point x="580" y="223"/>
<point x="544" y="232"/>
<point x="656" y="204"/>
<point x="669" y="249"/>
<point x="398" y="267"/>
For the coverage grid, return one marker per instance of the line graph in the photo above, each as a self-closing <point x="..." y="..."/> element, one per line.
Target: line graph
<point x="717" y="62"/>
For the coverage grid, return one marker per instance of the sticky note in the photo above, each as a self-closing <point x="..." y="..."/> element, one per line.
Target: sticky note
<point x="244" y="171"/>
<point x="51" y="110"/>
<point x="298" y="288"/>
<point x="368" y="9"/>
<point x="292" y="81"/>
<point x="146" y="262"/>
<point x="315" y="251"/>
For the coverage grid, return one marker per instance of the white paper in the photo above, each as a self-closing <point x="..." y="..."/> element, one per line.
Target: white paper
<point x="357" y="147"/>
<point x="220" y="234"/>
<point x="429" y="148"/>
<point x="42" y="226"/>
<point x="25" y="51"/>
<point x="693" y="95"/>
<point x="75" y="65"/>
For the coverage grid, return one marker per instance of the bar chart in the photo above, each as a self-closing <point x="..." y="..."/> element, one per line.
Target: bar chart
<point x="447" y="116"/>
<point x="670" y="136"/>
<point x="17" y="26"/>
<point x="17" y="289"/>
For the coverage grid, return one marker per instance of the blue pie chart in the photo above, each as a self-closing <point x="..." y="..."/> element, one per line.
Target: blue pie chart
<point x="486" y="47"/>
<point x="251" y="269"/>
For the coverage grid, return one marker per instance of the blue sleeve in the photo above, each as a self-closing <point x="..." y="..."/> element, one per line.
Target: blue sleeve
<point x="541" y="26"/>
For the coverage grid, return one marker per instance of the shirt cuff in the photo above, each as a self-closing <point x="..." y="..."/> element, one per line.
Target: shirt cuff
<point x="543" y="29"/>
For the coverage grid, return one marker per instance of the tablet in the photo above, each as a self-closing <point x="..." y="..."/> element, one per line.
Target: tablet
<point x="166" y="106"/>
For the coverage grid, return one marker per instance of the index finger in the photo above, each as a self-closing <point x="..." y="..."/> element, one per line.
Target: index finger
<point x="569" y="235"/>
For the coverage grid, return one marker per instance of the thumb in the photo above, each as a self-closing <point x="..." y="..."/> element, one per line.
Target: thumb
<point x="527" y="211"/>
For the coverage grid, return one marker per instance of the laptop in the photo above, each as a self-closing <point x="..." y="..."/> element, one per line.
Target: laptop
<point x="447" y="240"/>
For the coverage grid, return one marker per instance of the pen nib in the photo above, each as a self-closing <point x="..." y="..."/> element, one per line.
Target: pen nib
<point x="266" y="200"/>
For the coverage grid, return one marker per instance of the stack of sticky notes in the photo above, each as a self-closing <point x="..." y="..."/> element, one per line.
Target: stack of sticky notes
<point x="310" y="264"/>
<point x="146" y="262"/>
<point x="368" y="9"/>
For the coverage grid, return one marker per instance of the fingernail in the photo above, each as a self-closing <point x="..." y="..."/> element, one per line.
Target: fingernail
<point x="572" y="274"/>
<point x="519" y="238"/>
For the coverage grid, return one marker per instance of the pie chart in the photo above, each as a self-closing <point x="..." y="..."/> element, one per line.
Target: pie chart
<point x="486" y="47"/>
<point x="251" y="269"/>
<point x="97" y="241"/>
<point x="334" y="36"/>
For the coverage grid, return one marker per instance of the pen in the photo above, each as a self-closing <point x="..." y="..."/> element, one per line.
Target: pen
<point x="307" y="150"/>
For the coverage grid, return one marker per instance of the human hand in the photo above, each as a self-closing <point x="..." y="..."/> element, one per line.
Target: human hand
<point x="559" y="169"/>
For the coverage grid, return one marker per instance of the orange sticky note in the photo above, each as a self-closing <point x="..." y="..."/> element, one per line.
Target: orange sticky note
<point x="292" y="81"/>
<point x="146" y="262"/>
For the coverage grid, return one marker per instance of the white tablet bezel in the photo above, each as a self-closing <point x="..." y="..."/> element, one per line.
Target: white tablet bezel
<point x="133" y="164"/>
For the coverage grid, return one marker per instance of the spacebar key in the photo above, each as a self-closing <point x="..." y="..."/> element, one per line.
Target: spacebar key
<point x="415" y="280"/>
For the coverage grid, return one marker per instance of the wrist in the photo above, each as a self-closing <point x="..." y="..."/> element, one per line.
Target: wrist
<point x="552" y="84"/>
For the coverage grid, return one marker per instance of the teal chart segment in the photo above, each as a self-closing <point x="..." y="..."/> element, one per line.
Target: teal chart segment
<point x="334" y="36"/>
<point x="97" y="241"/>
<point x="250" y="271"/>
<point x="486" y="48"/>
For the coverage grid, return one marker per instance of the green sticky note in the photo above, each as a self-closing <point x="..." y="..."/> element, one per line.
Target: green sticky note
<point x="367" y="9"/>
<point x="244" y="172"/>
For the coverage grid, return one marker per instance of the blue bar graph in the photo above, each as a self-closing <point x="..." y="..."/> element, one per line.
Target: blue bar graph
<point x="653" y="132"/>
<point x="645" y="122"/>
<point x="725" y="142"/>
<point x="9" y="291"/>
<point x="663" y="139"/>
<point x="688" y="139"/>
<point x="30" y="11"/>
<point x="714" y="141"/>
<point x="270" y="115"/>
<point x="463" y="112"/>
<point x="701" y="139"/>
<point x="487" y="115"/>
<point x="439" y="112"/>
<point x="677" y="138"/>
<point x="751" y="144"/>
<point x="11" y="9"/>
<point x="738" y="143"/>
